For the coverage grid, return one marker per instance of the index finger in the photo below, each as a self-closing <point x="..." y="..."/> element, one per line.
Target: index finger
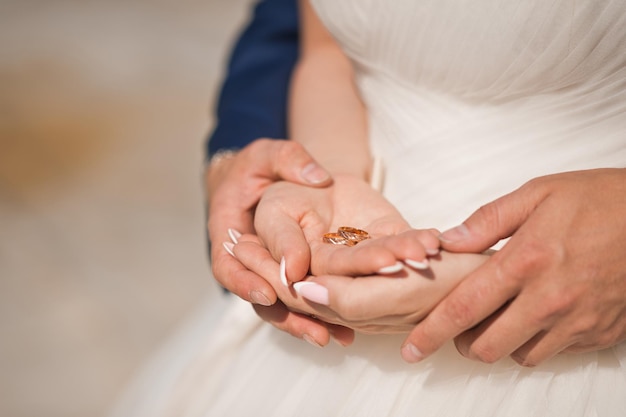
<point x="475" y="298"/>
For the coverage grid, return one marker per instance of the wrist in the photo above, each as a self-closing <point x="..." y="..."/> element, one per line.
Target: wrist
<point x="216" y="167"/>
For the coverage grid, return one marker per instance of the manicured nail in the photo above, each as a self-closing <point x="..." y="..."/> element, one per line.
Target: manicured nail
<point x="421" y="265"/>
<point x="283" y="272"/>
<point x="234" y="235"/>
<point x="229" y="247"/>
<point x="432" y="252"/>
<point x="314" y="174"/>
<point x="312" y="292"/>
<point x="455" y="234"/>
<point x="411" y="354"/>
<point x="257" y="297"/>
<point x="391" y="269"/>
<point x="311" y="340"/>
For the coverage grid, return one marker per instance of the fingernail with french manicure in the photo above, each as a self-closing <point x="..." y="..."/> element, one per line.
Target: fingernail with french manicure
<point x="234" y="235"/>
<point x="312" y="292"/>
<point x="421" y="265"/>
<point x="283" y="272"/>
<point x="391" y="269"/>
<point x="229" y="247"/>
<point x="314" y="174"/>
<point x="258" y="297"/>
<point x="455" y="234"/>
<point x="432" y="252"/>
<point x="411" y="354"/>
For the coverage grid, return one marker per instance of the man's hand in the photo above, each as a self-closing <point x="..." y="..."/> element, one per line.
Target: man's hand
<point x="234" y="184"/>
<point x="559" y="283"/>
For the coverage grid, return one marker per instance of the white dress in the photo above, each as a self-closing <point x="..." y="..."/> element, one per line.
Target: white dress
<point x="469" y="99"/>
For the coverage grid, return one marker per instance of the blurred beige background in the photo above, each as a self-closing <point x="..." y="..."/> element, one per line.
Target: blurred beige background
<point x="104" y="107"/>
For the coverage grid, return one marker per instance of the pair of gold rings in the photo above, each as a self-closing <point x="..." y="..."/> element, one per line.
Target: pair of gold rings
<point x="345" y="235"/>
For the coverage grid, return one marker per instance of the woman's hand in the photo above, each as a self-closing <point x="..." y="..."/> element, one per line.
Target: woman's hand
<point x="291" y="219"/>
<point x="369" y="304"/>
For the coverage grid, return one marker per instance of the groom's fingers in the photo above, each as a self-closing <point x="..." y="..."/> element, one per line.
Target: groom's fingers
<point x="473" y="300"/>
<point x="494" y="221"/>
<point x="304" y="327"/>
<point x="296" y="324"/>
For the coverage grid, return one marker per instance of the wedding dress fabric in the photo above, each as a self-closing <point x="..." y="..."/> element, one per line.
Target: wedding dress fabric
<point x="467" y="100"/>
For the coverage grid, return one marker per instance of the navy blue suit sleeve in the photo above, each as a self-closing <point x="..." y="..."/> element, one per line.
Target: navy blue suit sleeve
<point x="253" y="99"/>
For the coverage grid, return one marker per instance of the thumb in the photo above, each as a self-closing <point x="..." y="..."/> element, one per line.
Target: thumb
<point x="492" y="222"/>
<point x="286" y="160"/>
<point x="282" y="235"/>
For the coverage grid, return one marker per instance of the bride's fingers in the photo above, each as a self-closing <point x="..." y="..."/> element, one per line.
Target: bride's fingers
<point x="249" y="252"/>
<point x="284" y="238"/>
<point x="372" y="298"/>
<point x="413" y="247"/>
<point x="329" y="259"/>
<point x="252" y="254"/>
<point x="352" y="300"/>
<point x="380" y="255"/>
<point x="407" y="299"/>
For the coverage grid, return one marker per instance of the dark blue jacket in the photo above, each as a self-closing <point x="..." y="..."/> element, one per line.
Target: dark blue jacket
<point x="253" y="99"/>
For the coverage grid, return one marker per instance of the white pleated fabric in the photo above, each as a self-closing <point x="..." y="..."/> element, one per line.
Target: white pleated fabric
<point x="470" y="99"/>
<point x="467" y="100"/>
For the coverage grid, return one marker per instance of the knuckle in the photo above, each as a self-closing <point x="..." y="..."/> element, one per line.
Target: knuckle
<point x="289" y="149"/>
<point x="490" y="213"/>
<point x="253" y="148"/>
<point x="259" y="143"/>
<point x="537" y="183"/>
<point x="556" y="305"/>
<point x="484" y="353"/>
<point x="218" y="270"/>
<point x="349" y="311"/>
<point x="607" y="338"/>
<point x="530" y="258"/>
<point x="584" y="325"/>
<point x="460" y="312"/>
<point x="381" y="259"/>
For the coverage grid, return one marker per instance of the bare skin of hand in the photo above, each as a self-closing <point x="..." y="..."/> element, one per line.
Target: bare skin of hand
<point x="368" y="304"/>
<point x="290" y="221"/>
<point x="559" y="283"/>
<point x="234" y="184"/>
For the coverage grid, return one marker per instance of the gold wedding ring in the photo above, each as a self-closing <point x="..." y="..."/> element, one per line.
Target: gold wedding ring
<point x="337" y="239"/>
<point x="353" y="234"/>
<point x="345" y="235"/>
